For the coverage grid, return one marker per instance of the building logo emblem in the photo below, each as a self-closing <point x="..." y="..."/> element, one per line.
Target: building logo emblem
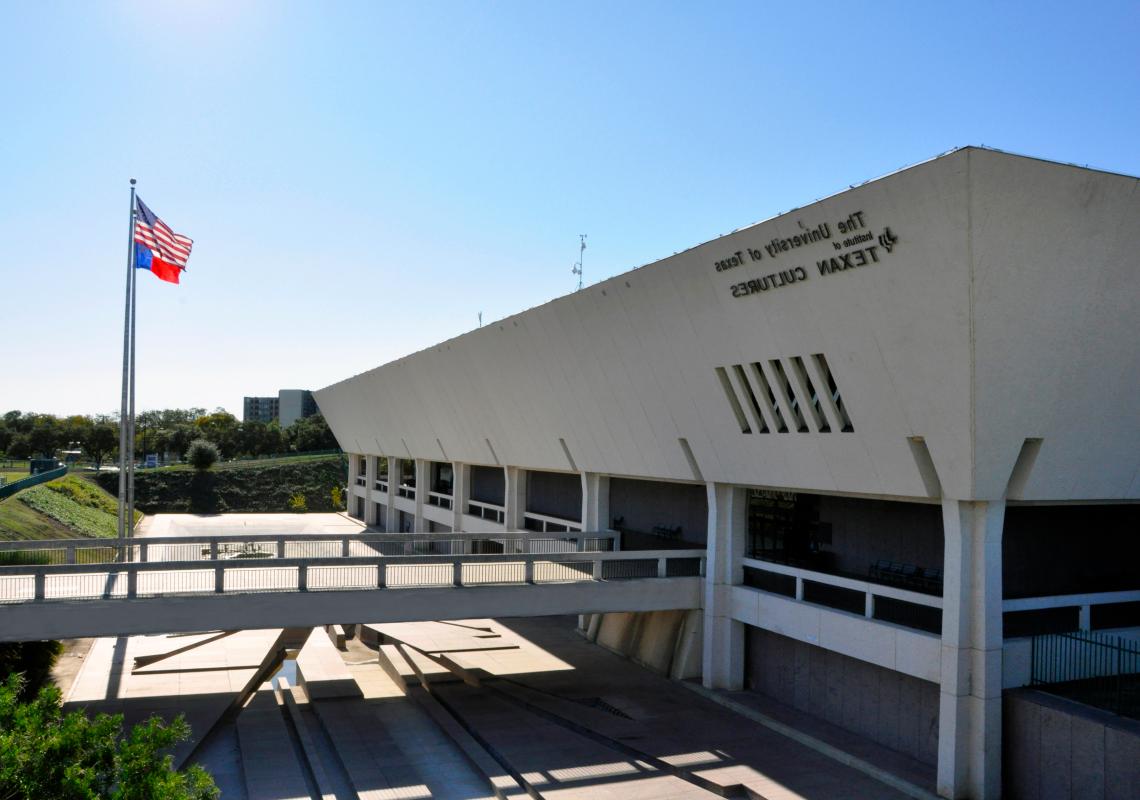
<point x="888" y="240"/>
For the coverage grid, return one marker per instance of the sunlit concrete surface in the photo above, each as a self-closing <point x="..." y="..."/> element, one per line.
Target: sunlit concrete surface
<point x="225" y="524"/>
<point x="527" y="704"/>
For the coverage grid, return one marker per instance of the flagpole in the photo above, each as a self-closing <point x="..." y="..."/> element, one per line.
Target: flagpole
<point x="131" y="443"/>
<point x="123" y="419"/>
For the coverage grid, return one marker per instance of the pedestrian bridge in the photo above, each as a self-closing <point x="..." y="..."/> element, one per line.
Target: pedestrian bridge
<point x="84" y="587"/>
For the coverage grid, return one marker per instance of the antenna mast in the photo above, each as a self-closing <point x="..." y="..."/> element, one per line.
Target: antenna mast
<point x="577" y="268"/>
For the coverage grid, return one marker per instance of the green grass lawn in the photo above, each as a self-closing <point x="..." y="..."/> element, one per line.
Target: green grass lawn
<point x="250" y="463"/>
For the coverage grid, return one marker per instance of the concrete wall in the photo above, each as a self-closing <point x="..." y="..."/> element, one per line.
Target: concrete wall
<point x="885" y="706"/>
<point x="488" y="484"/>
<point x="863" y="531"/>
<point x="647" y="504"/>
<point x="667" y="642"/>
<point x="1070" y="549"/>
<point x="1055" y="748"/>
<point x="557" y="494"/>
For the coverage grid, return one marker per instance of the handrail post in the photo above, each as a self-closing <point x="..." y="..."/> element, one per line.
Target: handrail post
<point x="457" y="573"/>
<point x="281" y="548"/>
<point x="143" y="551"/>
<point x="662" y="569"/>
<point x="303" y="578"/>
<point x="132" y="583"/>
<point x="528" y="571"/>
<point x="345" y="547"/>
<point x="381" y="574"/>
<point x="40" y="584"/>
<point x="219" y="579"/>
<point x="799" y="587"/>
<point x="869" y="605"/>
<point x="70" y="557"/>
<point x="597" y="572"/>
<point x="213" y="549"/>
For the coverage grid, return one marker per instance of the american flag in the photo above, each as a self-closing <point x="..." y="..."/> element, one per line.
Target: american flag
<point x="160" y="239"/>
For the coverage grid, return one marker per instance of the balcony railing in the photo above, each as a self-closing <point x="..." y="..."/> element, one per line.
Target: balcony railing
<point x="1064" y="613"/>
<point x="439" y="499"/>
<point x="361" y="480"/>
<point x="405" y="490"/>
<point x="489" y="511"/>
<point x="543" y="523"/>
<point x="381" y="485"/>
<point x="870" y="600"/>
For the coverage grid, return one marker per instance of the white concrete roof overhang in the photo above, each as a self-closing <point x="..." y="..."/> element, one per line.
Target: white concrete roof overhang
<point x="974" y="301"/>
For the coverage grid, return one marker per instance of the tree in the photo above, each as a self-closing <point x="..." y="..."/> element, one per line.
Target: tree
<point x="202" y="454"/>
<point x="100" y="441"/>
<point x="47" y="754"/>
<point x="221" y="428"/>
<point x="311" y="433"/>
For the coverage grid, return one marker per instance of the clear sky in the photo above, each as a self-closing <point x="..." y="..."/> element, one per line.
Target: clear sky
<point x="361" y="179"/>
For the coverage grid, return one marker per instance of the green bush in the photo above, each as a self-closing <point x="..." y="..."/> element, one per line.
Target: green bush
<point x="202" y="454"/>
<point x="47" y="754"/>
<point x="297" y="503"/>
<point x="337" y="495"/>
<point x="85" y="493"/>
<point x="252" y="487"/>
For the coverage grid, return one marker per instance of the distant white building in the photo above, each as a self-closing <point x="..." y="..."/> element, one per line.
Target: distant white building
<point x="903" y="420"/>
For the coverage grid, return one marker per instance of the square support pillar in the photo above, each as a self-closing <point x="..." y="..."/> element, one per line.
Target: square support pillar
<point x="369" y="482"/>
<point x="393" y="521"/>
<point x="723" y="645"/>
<point x="515" y="497"/>
<point x="423" y="484"/>
<point x="460" y="493"/>
<point x="969" y="717"/>
<point x="595" y="502"/>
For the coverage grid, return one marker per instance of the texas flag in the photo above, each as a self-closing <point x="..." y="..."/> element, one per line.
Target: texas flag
<point x="157" y="247"/>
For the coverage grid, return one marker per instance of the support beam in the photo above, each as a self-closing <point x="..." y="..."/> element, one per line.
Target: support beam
<point x="515" y="499"/>
<point x="369" y="482"/>
<point x="723" y="637"/>
<point x="969" y="721"/>
<point x="595" y="501"/>
<point x="423" y="485"/>
<point x="392" y="524"/>
<point x="460" y="492"/>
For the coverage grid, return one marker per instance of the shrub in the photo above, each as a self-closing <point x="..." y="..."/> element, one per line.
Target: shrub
<point x="202" y="454"/>
<point x="80" y="518"/>
<point x="337" y="498"/>
<point x="297" y="503"/>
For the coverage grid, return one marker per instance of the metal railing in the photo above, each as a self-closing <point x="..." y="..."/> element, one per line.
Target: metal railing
<point x="889" y="604"/>
<point x="544" y="523"/>
<point x="9" y="489"/>
<point x="406" y="491"/>
<point x="496" y="513"/>
<point x="137" y="579"/>
<point x="440" y="499"/>
<point x="380" y="485"/>
<point x="1093" y="668"/>
<point x="298" y="545"/>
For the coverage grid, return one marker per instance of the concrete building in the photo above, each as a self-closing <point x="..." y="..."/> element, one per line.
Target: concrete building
<point x="286" y="408"/>
<point x="903" y="421"/>
<point x="293" y="404"/>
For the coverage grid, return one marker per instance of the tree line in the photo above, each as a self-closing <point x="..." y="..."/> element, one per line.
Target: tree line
<point x="167" y="431"/>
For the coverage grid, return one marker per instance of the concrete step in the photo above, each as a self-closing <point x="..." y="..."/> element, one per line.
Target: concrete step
<point x="321" y="671"/>
<point x="271" y="768"/>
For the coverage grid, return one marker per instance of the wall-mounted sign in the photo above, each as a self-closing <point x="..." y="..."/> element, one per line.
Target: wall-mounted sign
<point x="859" y="246"/>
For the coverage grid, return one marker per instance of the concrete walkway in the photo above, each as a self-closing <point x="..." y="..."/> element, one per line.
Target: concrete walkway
<point x="236" y="524"/>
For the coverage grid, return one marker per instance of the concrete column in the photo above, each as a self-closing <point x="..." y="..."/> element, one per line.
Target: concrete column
<point x="969" y="715"/>
<point x="353" y="459"/>
<point x="393" y="522"/>
<point x="723" y="637"/>
<point x="460" y="492"/>
<point x="369" y="482"/>
<point x="515" y="497"/>
<point x="423" y="484"/>
<point x="595" y="501"/>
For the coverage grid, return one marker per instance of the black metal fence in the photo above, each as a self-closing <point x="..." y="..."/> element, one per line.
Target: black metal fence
<point x="1093" y="668"/>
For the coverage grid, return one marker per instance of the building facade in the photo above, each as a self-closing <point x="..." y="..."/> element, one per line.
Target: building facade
<point x="902" y="420"/>
<point x="286" y="408"/>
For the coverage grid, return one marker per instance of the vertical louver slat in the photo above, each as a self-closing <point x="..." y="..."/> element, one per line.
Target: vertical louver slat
<point x="733" y="401"/>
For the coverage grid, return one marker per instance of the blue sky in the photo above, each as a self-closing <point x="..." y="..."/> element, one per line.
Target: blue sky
<point x="361" y="179"/>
